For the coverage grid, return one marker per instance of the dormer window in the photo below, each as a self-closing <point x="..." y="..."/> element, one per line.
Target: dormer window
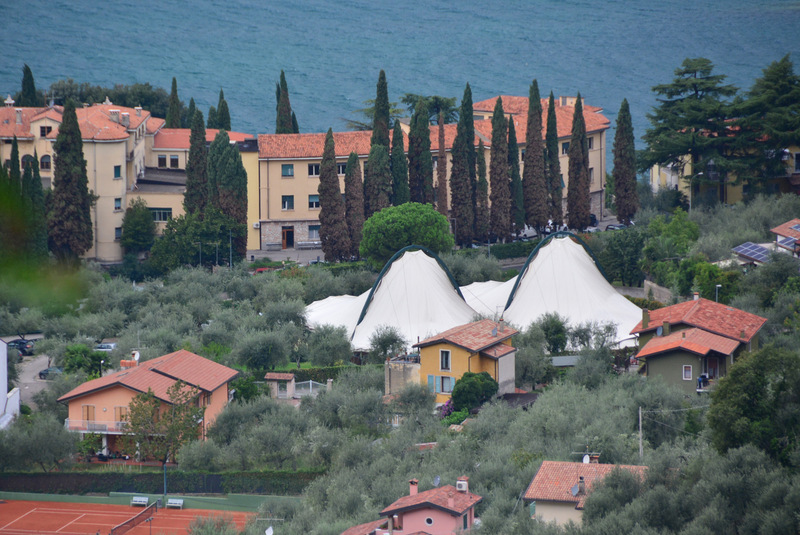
<point x="44" y="130"/>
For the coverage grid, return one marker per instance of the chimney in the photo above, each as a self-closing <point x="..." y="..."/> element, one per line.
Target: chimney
<point x="683" y="334"/>
<point x="645" y="318"/>
<point x="329" y="385"/>
<point x="462" y="484"/>
<point x="595" y="459"/>
<point x="126" y="119"/>
<point x="114" y="115"/>
<point x="741" y="334"/>
<point x="665" y="328"/>
<point x="19" y="115"/>
<point x="581" y="486"/>
<point x="502" y="325"/>
<point x="412" y="487"/>
<point x="138" y="111"/>
<point x="697" y="296"/>
<point x="9" y="102"/>
<point x="451" y="500"/>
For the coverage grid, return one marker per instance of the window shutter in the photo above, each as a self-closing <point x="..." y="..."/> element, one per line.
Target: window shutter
<point x="431" y="381"/>
<point x="438" y="385"/>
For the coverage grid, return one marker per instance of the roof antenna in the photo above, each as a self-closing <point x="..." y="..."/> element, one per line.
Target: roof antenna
<point x="436" y="481"/>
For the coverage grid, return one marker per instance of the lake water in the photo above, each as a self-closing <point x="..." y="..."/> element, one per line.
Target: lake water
<point x="332" y="51"/>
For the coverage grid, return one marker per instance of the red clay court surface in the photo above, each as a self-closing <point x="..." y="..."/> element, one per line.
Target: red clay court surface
<point x="50" y="518"/>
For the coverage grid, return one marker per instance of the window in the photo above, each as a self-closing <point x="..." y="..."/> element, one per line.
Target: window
<point x="440" y="384"/>
<point x="523" y="155"/>
<point x="466" y="521"/>
<point x="590" y="143"/>
<point x="44" y="164"/>
<point x="117" y="233"/>
<point x="173" y="161"/>
<point x="162" y="160"/>
<point x="161" y="214"/>
<point x="313" y="169"/>
<point x="287" y="202"/>
<point x="313" y="202"/>
<point x="797" y="163"/>
<point x="565" y="147"/>
<point x="591" y="175"/>
<point x="44" y="130"/>
<point x="120" y="413"/>
<point x="87" y="412"/>
<point x="447" y="384"/>
<point x="313" y="232"/>
<point x="118" y="204"/>
<point x="444" y="359"/>
<point x="429" y="521"/>
<point x="435" y="160"/>
<point x="287" y="170"/>
<point x="341" y="168"/>
<point x="687" y="373"/>
<point x="27" y="161"/>
<point x="117" y="171"/>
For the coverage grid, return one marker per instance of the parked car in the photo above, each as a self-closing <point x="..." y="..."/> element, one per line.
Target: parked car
<point x="616" y="226"/>
<point x="106" y="348"/>
<point x="24" y="346"/>
<point x="51" y="372"/>
<point x="592" y="220"/>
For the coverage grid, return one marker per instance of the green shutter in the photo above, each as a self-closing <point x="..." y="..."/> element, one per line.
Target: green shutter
<point x="431" y="384"/>
<point x="532" y="508"/>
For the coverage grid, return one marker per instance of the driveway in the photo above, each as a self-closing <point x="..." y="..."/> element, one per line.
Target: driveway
<point x="29" y="382"/>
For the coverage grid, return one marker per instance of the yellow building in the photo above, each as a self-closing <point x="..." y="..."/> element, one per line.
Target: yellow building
<point x="481" y="346"/>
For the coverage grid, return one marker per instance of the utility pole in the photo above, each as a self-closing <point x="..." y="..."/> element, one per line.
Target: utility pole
<point x="230" y="249"/>
<point x="641" y="450"/>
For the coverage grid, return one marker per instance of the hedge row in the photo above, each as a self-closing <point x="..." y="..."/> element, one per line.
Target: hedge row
<point x="321" y="374"/>
<point x="277" y="483"/>
<point x="517" y="249"/>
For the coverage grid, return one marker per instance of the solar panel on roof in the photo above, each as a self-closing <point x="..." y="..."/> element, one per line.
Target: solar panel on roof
<point x="752" y="251"/>
<point x="787" y="242"/>
<point x="795" y="227"/>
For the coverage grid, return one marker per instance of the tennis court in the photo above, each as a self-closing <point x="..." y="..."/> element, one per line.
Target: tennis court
<point x="48" y="518"/>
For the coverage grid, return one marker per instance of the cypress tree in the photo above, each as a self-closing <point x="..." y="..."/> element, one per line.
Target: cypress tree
<point x="380" y="122"/>
<point x="174" y="109"/>
<point x="400" y="192"/>
<point x="69" y="221"/>
<point x="482" y="197"/>
<point x="462" y="200"/>
<point x="295" y="126"/>
<point x="138" y="228"/>
<point x="223" y="114"/>
<point x="500" y="198"/>
<point x="553" y="165"/>
<point x="420" y="163"/>
<point x="195" y="198"/>
<point x="517" y="198"/>
<point x="441" y="172"/>
<point x="33" y="196"/>
<point x="14" y="169"/>
<point x="218" y="163"/>
<point x="578" y="196"/>
<point x="212" y="118"/>
<point x="28" y="97"/>
<point x="377" y="182"/>
<point x="283" y="122"/>
<point x="627" y="199"/>
<point x="354" y="202"/>
<point x="333" y="231"/>
<point x="534" y="181"/>
<point x="232" y="193"/>
<point x="190" y="113"/>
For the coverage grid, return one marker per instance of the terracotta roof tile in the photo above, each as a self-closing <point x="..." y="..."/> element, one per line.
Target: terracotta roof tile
<point x="475" y="336"/>
<point x="785" y="230"/>
<point x="554" y="480"/>
<point x="8" y="122"/>
<point x="154" y="124"/>
<point x="694" y="340"/>
<point x="178" y="138"/>
<point x="365" y="529"/>
<point x="446" y="498"/>
<point x="293" y="146"/>
<point x="709" y="316"/>
<point x="275" y="376"/>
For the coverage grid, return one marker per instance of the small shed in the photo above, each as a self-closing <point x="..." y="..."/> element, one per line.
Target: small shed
<point x="281" y="385"/>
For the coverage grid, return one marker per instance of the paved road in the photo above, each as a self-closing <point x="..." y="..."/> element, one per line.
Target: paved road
<point x="29" y="382"/>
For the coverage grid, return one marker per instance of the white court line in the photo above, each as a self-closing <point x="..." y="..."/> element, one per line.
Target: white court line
<point x="18" y="518"/>
<point x="71" y="522"/>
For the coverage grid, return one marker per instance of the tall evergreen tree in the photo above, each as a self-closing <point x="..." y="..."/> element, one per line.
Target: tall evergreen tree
<point x="212" y="118"/>
<point x="517" y="198"/>
<point x="333" y="231"/>
<point x="400" y="192"/>
<point x="190" y="114"/>
<point x="578" y="188"/>
<point x="33" y="200"/>
<point x="380" y="122"/>
<point x="28" y="98"/>
<point x="174" y="110"/>
<point x="218" y="163"/>
<point x="554" y="181"/>
<point x="223" y="114"/>
<point x="69" y="219"/>
<point x="420" y="162"/>
<point x="482" y="197"/>
<point x="377" y="181"/>
<point x="354" y="202"/>
<point x="283" y="123"/>
<point x="295" y="126"/>
<point x="534" y="179"/>
<point x="195" y="198"/>
<point x="499" y="178"/>
<point x="627" y="198"/>
<point x="441" y="172"/>
<point x="462" y="190"/>
<point x="138" y="228"/>
<point x="14" y="170"/>
<point x="232" y="192"/>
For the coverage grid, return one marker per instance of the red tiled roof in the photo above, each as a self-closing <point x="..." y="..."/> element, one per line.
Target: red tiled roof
<point x="709" y="316"/>
<point x="288" y="146"/>
<point x="154" y="124"/>
<point x="694" y="340"/>
<point x="475" y="336"/>
<point x="275" y="376"/>
<point x="785" y="230"/>
<point x="446" y="498"/>
<point x="554" y="480"/>
<point x="178" y="138"/>
<point x="365" y="529"/>
<point x="159" y="374"/>
<point x="8" y="122"/>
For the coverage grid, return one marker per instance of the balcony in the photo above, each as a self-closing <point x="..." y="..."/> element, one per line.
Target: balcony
<point x="95" y="426"/>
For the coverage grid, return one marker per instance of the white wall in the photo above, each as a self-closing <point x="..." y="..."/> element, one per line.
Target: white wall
<point x="9" y="403"/>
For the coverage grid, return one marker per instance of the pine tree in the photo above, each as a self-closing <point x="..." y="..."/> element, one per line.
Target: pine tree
<point x="283" y="122"/>
<point x="223" y="114"/>
<point x="553" y="165"/>
<point x="441" y="172"/>
<point x="174" y="109"/>
<point x="420" y="163"/>
<point x="517" y="198"/>
<point x="333" y="231"/>
<point x="33" y="199"/>
<point x="400" y="192"/>
<point x="578" y="188"/>
<point x="195" y="198"/>
<point x="14" y="169"/>
<point x="462" y="200"/>
<point x="218" y="162"/>
<point x="534" y="180"/>
<point x="627" y="198"/>
<point x="482" y="197"/>
<point x="69" y="219"/>
<point x="212" y="118"/>
<point x="28" y="98"/>
<point x="354" y="202"/>
<point x="190" y="114"/>
<point x="380" y="122"/>
<point x="377" y="181"/>
<point x="500" y="198"/>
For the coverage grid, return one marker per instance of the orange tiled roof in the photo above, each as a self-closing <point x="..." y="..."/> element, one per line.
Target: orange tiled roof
<point x="8" y="122"/>
<point x="445" y="498"/>
<point x="709" y="316"/>
<point x="475" y="336"/>
<point x="785" y="230"/>
<point x="275" y="376"/>
<point x="295" y="146"/>
<point x="159" y="374"/>
<point x="694" y="340"/>
<point x="154" y="124"/>
<point x="366" y="529"/>
<point x="178" y="138"/>
<point x="554" y="480"/>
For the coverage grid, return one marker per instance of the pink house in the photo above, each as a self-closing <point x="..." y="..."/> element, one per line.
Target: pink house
<point x="441" y="511"/>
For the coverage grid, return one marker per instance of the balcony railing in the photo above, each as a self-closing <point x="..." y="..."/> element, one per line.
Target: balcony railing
<point x="95" y="426"/>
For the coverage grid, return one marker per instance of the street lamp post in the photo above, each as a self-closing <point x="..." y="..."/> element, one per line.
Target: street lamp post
<point x="716" y="292"/>
<point x="101" y="367"/>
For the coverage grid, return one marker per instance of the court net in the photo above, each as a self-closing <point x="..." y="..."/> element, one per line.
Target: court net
<point x="131" y="523"/>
